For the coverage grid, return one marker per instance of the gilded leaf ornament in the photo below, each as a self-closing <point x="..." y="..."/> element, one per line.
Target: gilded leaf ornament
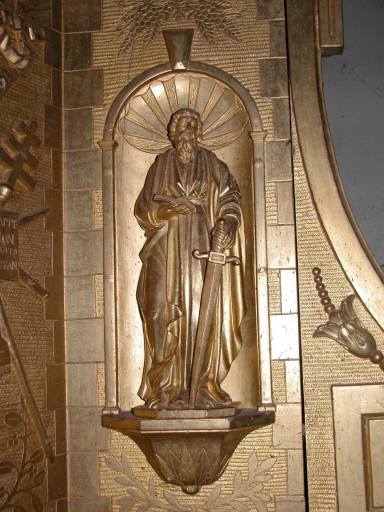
<point x="344" y="326"/>
<point x="145" y="123"/>
<point x="21" y="477"/>
<point x="248" y="491"/>
<point x="142" y="20"/>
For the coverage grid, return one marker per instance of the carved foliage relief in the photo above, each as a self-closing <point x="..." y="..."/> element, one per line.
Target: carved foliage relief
<point x="22" y="465"/>
<point x="247" y="494"/>
<point x="127" y="481"/>
<point x="142" y="20"/>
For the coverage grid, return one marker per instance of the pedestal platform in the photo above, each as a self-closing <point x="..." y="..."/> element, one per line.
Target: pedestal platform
<point x="189" y="451"/>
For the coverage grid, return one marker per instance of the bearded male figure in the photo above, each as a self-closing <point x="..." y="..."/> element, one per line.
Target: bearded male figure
<point x="188" y="192"/>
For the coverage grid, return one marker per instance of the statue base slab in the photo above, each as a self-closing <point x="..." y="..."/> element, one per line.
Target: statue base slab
<point x="189" y="452"/>
<point x="145" y="412"/>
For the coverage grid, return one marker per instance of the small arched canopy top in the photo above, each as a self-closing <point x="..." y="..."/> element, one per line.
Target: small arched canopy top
<point x="164" y="69"/>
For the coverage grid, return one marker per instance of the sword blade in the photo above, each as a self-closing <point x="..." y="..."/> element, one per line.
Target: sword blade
<point x="212" y="279"/>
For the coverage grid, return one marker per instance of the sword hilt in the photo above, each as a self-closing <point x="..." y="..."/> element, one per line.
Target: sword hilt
<point x="216" y="257"/>
<point x="218" y="236"/>
<point x="216" y="254"/>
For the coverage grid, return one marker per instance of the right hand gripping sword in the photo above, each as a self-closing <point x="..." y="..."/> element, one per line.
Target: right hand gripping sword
<point x="213" y="275"/>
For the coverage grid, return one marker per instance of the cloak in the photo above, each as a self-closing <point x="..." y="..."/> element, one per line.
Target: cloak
<point x="171" y="279"/>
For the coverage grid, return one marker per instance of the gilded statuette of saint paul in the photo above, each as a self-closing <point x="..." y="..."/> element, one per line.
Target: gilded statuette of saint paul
<point x="190" y="290"/>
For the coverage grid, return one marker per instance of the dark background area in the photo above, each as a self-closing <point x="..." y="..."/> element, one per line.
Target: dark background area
<point x="354" y="94"/>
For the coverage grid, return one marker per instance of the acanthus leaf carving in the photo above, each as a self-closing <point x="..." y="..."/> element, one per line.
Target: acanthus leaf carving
<point x="248" y="491"/>
<point x="142" y="20"/>
<point x="24" y="476"/>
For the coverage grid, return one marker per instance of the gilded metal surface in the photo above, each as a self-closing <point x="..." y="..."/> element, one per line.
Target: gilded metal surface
<point x="141" y="22"/>
<point x="145" y="123"/>
<point x="128" y="353"/>
<point x="19" y="493"/>
<point x="10" y="220"/>
<point x="331" y="26"/>
<point x="20" y="140"/>
<point x="204" y="88"/>
<point x="189" y="452"/>
<point x="3" y="81"/>
<point x="14" y="39"/>
<point x="37" y="253"/>
<point x="9" y="245"/>
<point x="6" y="335"/>
<point x="241" y="61"/>
<point x="248" y="490"/>
<point x="358" y="422"/>
<point x="7" y="77"/>
<point x="320" y="162"/>
<point x="373" y="439"/>
<point x="345" y="327"/>
<point x="328" y="366"/>
<point x="179" y="45"/>
<point x="191" y="321"/>
<point x="17" y="157"/>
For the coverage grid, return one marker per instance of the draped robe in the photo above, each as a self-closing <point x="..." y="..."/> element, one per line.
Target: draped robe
<point x="171" y="279"/>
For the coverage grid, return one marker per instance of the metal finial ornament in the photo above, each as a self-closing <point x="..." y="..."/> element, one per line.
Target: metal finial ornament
<point x="179" y="45"/>
<point x="344" y="325"/>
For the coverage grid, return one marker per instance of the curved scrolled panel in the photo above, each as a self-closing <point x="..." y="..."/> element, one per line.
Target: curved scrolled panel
<point x="319" y="159"/>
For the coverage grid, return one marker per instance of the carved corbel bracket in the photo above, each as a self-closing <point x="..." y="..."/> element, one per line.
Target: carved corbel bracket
<point x="345" y="327"/>
<point x="193" y="449"/>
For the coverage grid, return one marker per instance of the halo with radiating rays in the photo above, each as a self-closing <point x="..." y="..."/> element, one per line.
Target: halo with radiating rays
<point x="144" y="122"/>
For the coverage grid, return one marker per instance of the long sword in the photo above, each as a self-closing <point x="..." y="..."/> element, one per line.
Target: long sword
<point x="213" y="275"/>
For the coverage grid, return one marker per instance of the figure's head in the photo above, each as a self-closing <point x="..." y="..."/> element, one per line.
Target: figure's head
<point x="185" y="132"/>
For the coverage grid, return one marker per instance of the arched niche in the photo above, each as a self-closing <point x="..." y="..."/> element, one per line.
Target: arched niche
<point x="135" y="131"/>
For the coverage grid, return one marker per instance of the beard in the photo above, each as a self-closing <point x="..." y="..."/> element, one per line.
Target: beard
<point x="186" y="146"/>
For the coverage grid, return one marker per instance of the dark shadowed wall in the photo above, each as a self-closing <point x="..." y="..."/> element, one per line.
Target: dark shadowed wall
<point x="354" y="93"/>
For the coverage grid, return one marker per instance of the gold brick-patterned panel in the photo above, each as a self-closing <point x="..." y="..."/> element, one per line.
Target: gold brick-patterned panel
<point x="271" y="203"/>
<point x="274" y="292"/>
<point x="324" y="362"/>
<point x="99" y="295"/>
<point x="239" y="58"/>
<point x="279" y="383"/>
<point x="276" y="448"/>
<point x="97" y="197"/>
<point x="33" y="334"/>
<point x="100" y="381"/>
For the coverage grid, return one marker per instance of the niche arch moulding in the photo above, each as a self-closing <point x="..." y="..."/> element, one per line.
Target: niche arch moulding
<point x="204" y="315"/>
